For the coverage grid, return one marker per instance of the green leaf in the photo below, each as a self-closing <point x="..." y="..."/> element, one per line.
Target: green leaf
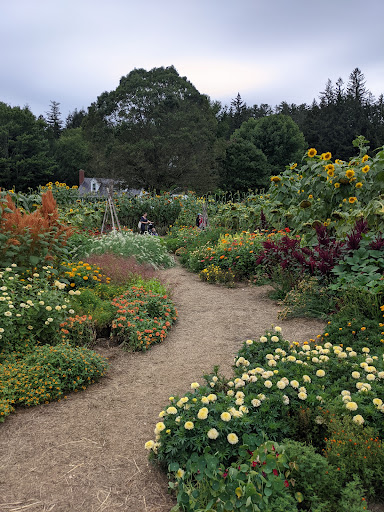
<point x="174" y="466"/>
<point x="34" y="260"/>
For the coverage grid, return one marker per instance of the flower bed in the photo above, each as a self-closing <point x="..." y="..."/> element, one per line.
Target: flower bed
<point x="279" y="390"/>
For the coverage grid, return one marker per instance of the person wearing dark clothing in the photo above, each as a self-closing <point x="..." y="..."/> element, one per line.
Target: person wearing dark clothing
<point x="144" y="223"/>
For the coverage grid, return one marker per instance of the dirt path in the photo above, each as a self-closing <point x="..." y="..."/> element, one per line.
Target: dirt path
<point x="87" y="454"/>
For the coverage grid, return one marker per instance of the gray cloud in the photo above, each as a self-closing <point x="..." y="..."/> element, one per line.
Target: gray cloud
<point x="268" y="50"/>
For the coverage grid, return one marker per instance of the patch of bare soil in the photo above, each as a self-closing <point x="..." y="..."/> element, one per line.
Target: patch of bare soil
<point x="86" y="454"/>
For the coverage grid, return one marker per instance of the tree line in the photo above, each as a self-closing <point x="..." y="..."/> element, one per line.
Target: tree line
<point x="157" y="131"/>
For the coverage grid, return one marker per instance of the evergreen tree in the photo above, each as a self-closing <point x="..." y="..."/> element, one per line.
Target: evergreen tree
<point x="54" y="122"/>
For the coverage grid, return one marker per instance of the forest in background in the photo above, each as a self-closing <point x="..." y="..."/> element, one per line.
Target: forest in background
<point x="157" y="131"/>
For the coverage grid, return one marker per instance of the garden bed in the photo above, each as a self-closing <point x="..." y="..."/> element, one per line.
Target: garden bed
<point x="87" y="452"/>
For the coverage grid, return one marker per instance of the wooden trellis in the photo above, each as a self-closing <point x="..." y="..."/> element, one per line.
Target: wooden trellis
<point x="110" y="212"/>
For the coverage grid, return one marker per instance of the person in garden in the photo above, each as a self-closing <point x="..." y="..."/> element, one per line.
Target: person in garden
<point x="199" y="221"/>
<point x="144" y="223"/>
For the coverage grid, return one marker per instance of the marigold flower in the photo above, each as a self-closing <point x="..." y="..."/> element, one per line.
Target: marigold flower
<point x="232" y="438"/>
<point x="203" y="413"/>
<point x="351" y="406"/>
<point x="320" y="373"/>
<point x="212" y="433"/>
<point x="188" y="425"/>
<point x="225" y="416"/>
<point x="160" y="426"/>
<point x="149" y="445"/>
<point x="358" y="419"/>
<point x="172" y="410"/>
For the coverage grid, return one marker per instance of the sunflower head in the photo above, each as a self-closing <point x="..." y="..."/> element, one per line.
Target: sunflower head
<point x="326" y="156"/>
<point x="275" y="179"/>
<point x="312" y="152"/>
<point x="352" y="200"/>
<point x="365" y="169"/>
<point x="349" y="173"/>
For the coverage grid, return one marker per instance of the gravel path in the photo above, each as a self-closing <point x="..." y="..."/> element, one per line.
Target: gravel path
<point x="86" y="454"/>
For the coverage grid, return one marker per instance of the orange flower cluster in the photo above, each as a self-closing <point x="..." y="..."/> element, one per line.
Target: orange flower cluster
<point x="143" y="318"/>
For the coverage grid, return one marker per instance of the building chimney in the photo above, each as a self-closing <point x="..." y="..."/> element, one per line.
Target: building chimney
<point x="81" y="176"/>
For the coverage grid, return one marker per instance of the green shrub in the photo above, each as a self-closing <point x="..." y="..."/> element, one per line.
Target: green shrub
<point x="32" y="306"/>
<point x="356" y="452"/>
<point x="254" y="481"/>
<point x="47" y="373"/>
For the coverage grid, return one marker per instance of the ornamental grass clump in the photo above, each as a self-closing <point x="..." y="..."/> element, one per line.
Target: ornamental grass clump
<point x="121" y="270"/>
<point x="145" y="249"/>
<point x="142" y="318"/>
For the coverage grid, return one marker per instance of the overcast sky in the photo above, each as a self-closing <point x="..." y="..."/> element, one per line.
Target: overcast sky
<point x="269" y="51"/>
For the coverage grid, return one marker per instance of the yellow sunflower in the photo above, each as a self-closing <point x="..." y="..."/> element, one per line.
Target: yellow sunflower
<point x="350" y="173"/>
<point x="293" y="166"/>
<point x="326" y="156"/>
<point x="365" y="158"/>
<point x="365" y="169"/>
<point x="275" y="179"/>
<point x="359" y="184"/>
<point x="337" y="185"/>
<point x="312" y="152"/>
<point x="352" y="200"/>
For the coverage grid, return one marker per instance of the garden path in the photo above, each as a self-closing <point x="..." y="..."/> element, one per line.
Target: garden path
<point x="86" y="454"/>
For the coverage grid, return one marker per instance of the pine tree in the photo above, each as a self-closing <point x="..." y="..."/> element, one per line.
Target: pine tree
<point x="54" y="121"/>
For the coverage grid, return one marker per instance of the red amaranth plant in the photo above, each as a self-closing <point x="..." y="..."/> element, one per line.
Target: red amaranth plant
<point x="287" y="255"/>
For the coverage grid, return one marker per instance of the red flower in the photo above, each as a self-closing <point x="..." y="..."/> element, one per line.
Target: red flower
<point x="286" y="483"/>
<point x="275" y="472"/>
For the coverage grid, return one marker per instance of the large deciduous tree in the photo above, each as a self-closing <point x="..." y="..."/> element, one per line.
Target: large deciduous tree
<point x="24" y="149"/>
<point x="261" y="147"/>
<point x="155" y="130"/>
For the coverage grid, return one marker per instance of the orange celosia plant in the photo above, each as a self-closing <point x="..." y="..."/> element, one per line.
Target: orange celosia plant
<point x="32" y="239"/>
